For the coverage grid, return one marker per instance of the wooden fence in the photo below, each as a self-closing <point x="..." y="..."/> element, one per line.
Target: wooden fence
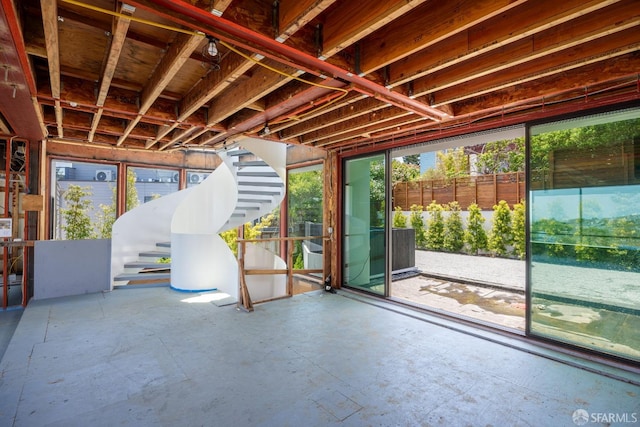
<point x="485" y="190"/>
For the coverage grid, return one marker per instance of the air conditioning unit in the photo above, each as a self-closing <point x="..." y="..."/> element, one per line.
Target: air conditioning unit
<point x="104" y="175"/>
<point x="175" y="177"/>
<point x="195" y="178"/>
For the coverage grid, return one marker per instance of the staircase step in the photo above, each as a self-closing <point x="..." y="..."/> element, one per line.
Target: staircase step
<point x="155" y="254"/>
<point x="261" y="184"/>
<point x="254" y="200"/>
<point x="259" y="192"/>
<point x="163" y="244"/>
<point x="141" y="276"/>
<point x="250" y="163"/>
<point x="264" y="174"/>
<point x="147" y="264"/>
<point x="239" y="153"/>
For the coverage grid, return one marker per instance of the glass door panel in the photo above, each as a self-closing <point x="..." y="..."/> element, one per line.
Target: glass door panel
<point x="364" y="262"/>
<point x="585" y="232"/>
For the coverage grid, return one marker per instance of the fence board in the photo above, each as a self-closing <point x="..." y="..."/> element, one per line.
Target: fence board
<point x="485" y="190"/>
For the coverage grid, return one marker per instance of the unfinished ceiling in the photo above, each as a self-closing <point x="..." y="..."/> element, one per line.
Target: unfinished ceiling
<point x="334" y="74"/>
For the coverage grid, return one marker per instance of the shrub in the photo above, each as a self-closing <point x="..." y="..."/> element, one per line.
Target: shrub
<point x="454" y="232"/>
<point x="415" y="218"/>
<point x="518" y="230"/>
<point x="435" y="227"/>
<point x="399" y="219"/>
<point x="501" y="235"/>
<point x="474" y="236"/>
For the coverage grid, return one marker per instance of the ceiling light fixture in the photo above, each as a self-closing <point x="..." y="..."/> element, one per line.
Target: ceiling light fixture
<point x="212" y="48"/>
<point x="211" y="54"/>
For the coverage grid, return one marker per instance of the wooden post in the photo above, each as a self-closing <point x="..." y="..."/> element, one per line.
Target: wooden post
<point x="244" y="297"/>
<point x="421" y="193"/>
<point x="290" y="268"/>
<point x="455" y="192"/>
<point x="495" y="189"/>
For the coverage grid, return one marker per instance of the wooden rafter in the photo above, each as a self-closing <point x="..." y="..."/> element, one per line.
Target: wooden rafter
<point x="175" y="57"/>
<point x="428" y="24"/>
<point x="295" y="14"/>
<point x="604" y="49"/>
<point x="509" y="27"/>
<point x="352" y="21"/>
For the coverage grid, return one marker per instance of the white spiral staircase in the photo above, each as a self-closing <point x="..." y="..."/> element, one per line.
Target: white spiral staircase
<point x="185" y="226"/>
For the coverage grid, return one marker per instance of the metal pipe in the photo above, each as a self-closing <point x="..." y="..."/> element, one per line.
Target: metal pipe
<point x="235" y="30"/>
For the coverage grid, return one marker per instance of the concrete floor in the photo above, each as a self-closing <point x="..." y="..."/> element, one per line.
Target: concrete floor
<point x="153" y="356"/>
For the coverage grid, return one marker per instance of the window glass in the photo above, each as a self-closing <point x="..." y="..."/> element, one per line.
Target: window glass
<point x="585" y="232"/>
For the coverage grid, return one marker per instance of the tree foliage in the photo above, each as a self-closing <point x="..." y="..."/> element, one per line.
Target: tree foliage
<point x="501" y="157"/>
<point x="304" y="192"/>
<point x="399" y="219"/>
<point x="435" y="227"/>
<point x="77" y="224"/>
<point x="475" y="236"/>
<point x="501" y="235"/>
<point x="132" y="192"/>
<point x="417" y="223"/>
<point x="453" y="163"/>
<point x="453" y="230"/>
<point x="518" y="230"/>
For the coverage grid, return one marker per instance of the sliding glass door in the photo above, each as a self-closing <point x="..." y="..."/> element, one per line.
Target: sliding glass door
<point x="585" y="232"/>
<point x="364" y="222"/>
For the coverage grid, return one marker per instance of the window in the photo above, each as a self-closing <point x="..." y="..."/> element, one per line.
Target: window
<point x="585" y="232"/>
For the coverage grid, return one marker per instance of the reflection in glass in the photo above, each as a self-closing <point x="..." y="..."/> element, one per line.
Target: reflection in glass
<point x="364" y="224"/>
<point x="304" y="208"/>
<point x="585" y="232"/>
<point x="146" y="184"/>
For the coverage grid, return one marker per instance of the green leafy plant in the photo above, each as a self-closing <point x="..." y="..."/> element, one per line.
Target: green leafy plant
<point x="76" y="214"/>
<point x="415" y="219"/>
<point x="435" y="227"/>
<point x="475" y="236"/>
<point x="453" y="240"/>
<point x="399" y="219"/>
<point x="501" y="235"/>
<point x="518" y="230"/>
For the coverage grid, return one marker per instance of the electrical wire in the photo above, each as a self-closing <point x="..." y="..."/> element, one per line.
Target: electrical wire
<point x="228" y="46"/>
<point x="133" y="18"/>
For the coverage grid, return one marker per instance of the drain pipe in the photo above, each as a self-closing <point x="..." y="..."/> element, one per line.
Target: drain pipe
<point x="362" y="85"/>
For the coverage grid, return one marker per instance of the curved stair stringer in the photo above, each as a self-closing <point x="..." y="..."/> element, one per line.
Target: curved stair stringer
<point x="264" y="287"/>
<point x="200" y="258"/>
<point x="140" y="229"/>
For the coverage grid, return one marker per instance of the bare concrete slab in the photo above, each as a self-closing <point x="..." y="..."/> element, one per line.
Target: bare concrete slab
<point x="153" y="356"/>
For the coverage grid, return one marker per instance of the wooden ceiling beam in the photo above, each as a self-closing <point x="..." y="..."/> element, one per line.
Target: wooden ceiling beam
<point x="50" y="25"/>
<point x="392" y="125"/>
<point x="359" y="123"/>
<point x="603" y="49"/>
<point x="177" y="137"/>
<point x="295" y="14"/>
<point x="314" y="114"/>
<point x="176" y="55"/>
<point x="509" y="27"/>
<point x="243" y="93"/>
<point x="586" y="32"/>
<point x="118" y="38"/>
<point x="588" y="79"/>
<point x="426" y="25"/>
<point x="352" y="21"/>
<point x="339" y="115"/>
